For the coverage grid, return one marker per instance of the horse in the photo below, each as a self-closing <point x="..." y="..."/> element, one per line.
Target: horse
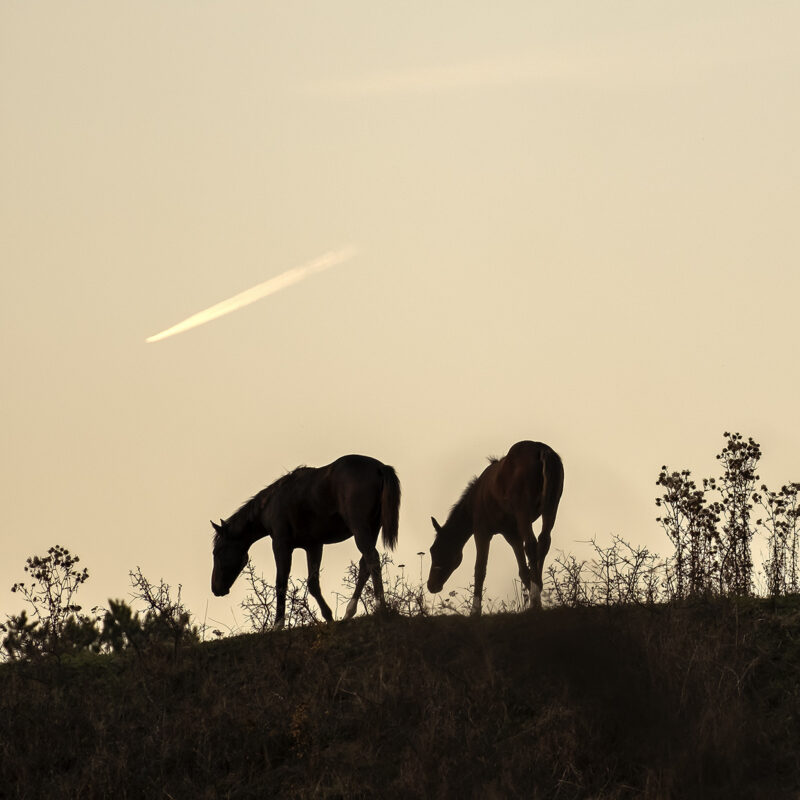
<point x="506" y="498"/>
<point x="308" y="508"/>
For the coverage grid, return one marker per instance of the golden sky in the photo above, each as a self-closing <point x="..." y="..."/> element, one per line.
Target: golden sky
<point x="575" y="222"/>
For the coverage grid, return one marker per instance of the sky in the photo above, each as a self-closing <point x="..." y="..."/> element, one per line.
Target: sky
<point x="570" y="222"/>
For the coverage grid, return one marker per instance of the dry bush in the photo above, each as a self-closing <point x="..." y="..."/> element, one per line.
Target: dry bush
<point x="781" y="524"/>
<point x="57" y="626"/>
<point x="619" y="574"/>
<point x="59" y="629"/>
<point x="401" y="596"/>
<point x="259" y="604"/>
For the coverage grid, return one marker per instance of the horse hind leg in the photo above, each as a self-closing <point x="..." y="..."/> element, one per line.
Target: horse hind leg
<point x="524" y="572"/>
<point x="532" y="551"/>
<point x="314" y="556"/>
<point x="536" y="595"/>
<point x="534" y="586"/>
<point x="361" y="579"/>
<point x="542" y="549"/>
<point x="374" y="564"/>
<point x="366" y="544"/>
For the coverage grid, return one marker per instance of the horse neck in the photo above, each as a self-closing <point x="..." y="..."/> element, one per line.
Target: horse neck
<point x="458" y="528"/>
<point x="248" y="524"/>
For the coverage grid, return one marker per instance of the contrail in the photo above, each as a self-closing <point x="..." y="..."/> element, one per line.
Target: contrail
<point x="264" y="289"/>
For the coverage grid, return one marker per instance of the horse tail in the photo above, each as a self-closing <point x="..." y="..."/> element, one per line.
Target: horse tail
<point x="390" y="506"/>
<point x="552" y="480"/>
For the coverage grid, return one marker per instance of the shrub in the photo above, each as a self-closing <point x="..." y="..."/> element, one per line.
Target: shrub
<point x="58" y="628"/>
<point x="165" y="621"/>
<point x="259" y="604"/>
<point x="782" y="526"/>
<point x="57" y="625"/>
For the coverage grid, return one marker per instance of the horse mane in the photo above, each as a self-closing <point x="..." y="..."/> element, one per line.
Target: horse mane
<point x="239" y="520"/>
<point x="466" y="495"/>
<point x="245" y="515"/>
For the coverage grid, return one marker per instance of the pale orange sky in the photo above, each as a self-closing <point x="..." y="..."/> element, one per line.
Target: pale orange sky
<point x="575" y="222"/>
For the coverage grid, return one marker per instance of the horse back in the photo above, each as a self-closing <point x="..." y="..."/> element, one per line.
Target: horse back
<point x="528" y="480"/>
<point x="348" y="488"/>
<point x="355" y="480"/>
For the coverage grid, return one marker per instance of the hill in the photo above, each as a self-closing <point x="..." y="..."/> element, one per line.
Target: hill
<point x="657" y="702"/>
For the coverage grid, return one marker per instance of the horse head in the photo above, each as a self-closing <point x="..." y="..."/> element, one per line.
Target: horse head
<point x="230" y="558"/>
<point x="445" y="558"/>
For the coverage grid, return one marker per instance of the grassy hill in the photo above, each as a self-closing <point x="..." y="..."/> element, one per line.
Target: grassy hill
<point x="665" y="701"/>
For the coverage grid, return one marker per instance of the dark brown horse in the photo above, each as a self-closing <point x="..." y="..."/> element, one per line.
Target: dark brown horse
<point x="506" y="498"/>
<point x="308" y="508"/>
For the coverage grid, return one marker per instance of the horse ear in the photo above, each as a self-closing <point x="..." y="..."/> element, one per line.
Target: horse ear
<point x="436" y="525"/>
<point x="214" y="525"/>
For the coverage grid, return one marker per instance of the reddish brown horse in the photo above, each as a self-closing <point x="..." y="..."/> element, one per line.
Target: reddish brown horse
<point x="354" y="496"/>
<point x="506" y="498"/>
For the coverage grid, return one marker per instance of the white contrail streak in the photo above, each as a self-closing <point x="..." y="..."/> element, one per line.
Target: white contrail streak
<point x="264" y="289"/>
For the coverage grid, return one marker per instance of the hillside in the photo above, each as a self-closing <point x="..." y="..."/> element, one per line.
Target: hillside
<point x="570" y="703"/>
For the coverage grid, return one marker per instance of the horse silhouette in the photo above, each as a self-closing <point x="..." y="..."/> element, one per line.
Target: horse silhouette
<point x="308" y="508"/>
<point x="506" y="498"/>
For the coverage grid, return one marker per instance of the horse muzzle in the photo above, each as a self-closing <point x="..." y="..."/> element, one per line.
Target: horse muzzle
<point x="435" y="581"/>
<point x="217" y="589"/>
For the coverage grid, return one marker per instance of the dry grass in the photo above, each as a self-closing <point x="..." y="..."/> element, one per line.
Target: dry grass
<point x="654" y="702"/>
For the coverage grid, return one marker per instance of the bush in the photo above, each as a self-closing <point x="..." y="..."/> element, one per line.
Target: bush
<point x="165" y="621"/>
<point x="259" y="605"/>
<point x="58" y="628"/>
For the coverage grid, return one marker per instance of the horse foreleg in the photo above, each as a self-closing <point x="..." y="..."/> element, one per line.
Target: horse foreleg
<point x="314" y="558"/>
<point x="283" y="563"/>
<point x="481" y="559"/>
<point x="361" y="579"/>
